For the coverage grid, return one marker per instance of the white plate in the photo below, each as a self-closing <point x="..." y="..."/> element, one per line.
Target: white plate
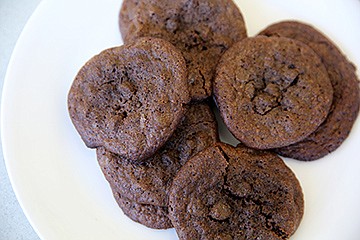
<point x="57" y="180"/>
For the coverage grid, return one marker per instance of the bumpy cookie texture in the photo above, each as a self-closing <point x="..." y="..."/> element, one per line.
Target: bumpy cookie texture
<point x="272" y="92"/>
<point x="146" y="214"/>
<point x="201" y="29"/>
<point x="235" y="193"/>
<point x="149" y="182"/>
<point x="345" y="108"/>
<point x="130" y="99"/>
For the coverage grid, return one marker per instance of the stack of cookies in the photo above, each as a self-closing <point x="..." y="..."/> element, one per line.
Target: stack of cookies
<point x="144" y="106"/>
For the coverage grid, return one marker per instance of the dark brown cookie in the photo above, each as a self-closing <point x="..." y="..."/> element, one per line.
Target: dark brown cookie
<point x="272" y="92"/>
<point x="201" y="29"/>
<point x="130" y="99"/>
<point x="146" y="214"/>
<point x="149" y="182"/>
<point x="345" y="107"/>
<point x="235" y="193"/>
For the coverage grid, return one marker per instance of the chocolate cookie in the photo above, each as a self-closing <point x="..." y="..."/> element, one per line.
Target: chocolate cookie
<point x="345" y="107"/>
<point x="149" y="182"/>
<point x="272" y="92"/>
<point x="201" y="29"/>
<point x="146" y="214"/>
<point x="130" y="99"/>
<point x="235" y="193"/>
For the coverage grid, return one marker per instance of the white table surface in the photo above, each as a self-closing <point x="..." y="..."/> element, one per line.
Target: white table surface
<point x="13" y="16"/>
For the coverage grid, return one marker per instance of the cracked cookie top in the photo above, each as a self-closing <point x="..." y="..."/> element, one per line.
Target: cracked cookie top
<point x="130" y="99"/>
<point x="201" y="29"/>
<point x="272" y="92"/>
<point x="235" y="193"/>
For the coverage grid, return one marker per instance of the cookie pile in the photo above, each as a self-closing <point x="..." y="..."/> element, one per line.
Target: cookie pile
<point x="142" y="190"/>
<point x="201" y="30"/>
<point x="346" y="98"/>
<point x="144" y="106"/>
<point x="272" y="92"/>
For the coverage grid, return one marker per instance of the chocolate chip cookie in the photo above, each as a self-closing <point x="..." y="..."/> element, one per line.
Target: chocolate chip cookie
<point x="235" y="193"/>
<point x="345" y="107"/>
<point x="201" y="29"/>
<point x="272" y="92"/>
<point x="130" y="99"/>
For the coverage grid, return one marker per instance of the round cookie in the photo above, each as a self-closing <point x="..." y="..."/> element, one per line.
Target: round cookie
<point x="345" y="107"/>
<point x="272" y="92"/>
<point x="235" y="193"/>
<point x="149" y="182"/>
<point x="201" y="29"/>
<point x="145" y="214"/>
<point x="130" y="99"/>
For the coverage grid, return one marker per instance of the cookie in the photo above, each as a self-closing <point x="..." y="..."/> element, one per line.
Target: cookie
<point x="149" y="182"/>
<point x="130" y="99"/>
<point x="201" y="29"/>
<point x="272" y="92"/>
<point x="235" y="193"/>
<point x="345" y="107"/>
<point x="146" y="214"/>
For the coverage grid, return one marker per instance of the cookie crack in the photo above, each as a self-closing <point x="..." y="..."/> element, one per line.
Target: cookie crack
<point x="203" y="82"/>
<point x="224" y="154"/>
<point x="227" y="159"/>
<point x="219" y="221"/>
<point x="107" y="82"/>
<point x="294" y="81"/>
<point x="270" y="224"/>
<point x="278" y="231"/>
<point x="270" y="95"/>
